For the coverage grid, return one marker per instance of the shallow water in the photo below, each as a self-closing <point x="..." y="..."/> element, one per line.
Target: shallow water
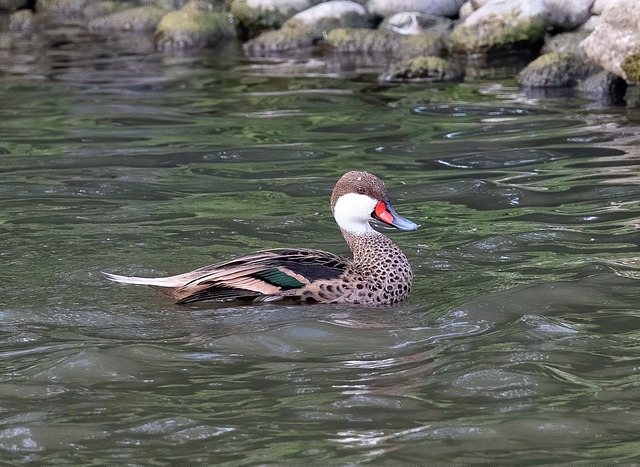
<point x="520" y="341"/>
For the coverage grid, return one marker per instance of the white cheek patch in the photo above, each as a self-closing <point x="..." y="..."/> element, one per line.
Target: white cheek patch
<point x="353" y="213"/>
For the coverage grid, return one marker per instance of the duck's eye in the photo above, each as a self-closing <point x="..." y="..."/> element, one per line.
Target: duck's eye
<point x="361" y="190"/>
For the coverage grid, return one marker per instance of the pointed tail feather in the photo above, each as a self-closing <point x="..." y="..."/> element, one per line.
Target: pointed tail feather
<point x="173" y="282"/>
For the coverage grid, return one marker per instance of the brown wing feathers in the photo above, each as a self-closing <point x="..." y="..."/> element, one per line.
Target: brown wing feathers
<point x="264" y="273"/>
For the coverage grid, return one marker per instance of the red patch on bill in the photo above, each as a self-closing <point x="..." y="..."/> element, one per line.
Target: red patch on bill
<point x="383" y="214"/>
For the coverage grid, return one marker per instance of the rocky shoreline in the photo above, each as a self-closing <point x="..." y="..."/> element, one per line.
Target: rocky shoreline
<point x="592" y="46"/>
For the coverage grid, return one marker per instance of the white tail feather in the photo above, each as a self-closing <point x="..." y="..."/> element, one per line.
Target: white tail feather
<point x="173" y="281"/>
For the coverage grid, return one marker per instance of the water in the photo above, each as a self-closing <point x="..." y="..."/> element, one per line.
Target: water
<point x="520" y="341"/>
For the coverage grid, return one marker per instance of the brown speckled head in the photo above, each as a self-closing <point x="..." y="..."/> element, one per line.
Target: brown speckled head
<point x="362" y="183"/>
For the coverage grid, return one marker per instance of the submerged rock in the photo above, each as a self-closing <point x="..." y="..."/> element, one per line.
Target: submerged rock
<point x="615" y="42"/>
<point x="426" y="68"/>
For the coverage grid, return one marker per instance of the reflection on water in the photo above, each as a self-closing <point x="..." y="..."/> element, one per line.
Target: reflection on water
<point x="519" y="343"/>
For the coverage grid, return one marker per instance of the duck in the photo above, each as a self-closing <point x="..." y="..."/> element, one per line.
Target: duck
<point x="377" y="274"/>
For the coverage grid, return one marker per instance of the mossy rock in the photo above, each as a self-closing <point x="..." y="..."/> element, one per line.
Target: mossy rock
<point x="360" y="40"/>
<point x="189" y="28"/>
<point x="382" y="41"/>
<point x="499" y="35"/>
<point x="557" y="69"/>
<point x="426" y="68"/>
<point x="421" y="45"/>
<point x="631" y="67"/>
<point x="144" y="18"/>
<point x="289" y="37"/>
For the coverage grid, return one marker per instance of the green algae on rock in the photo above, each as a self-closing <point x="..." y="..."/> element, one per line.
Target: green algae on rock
<point x="631" y="67"/>
<point x="500" y="26"/>
<point x="427" y="68"/>
<point x="193" y="28"/>
<point x="144" y="18"/>
<point x="557" y="69"/>
<point x="356" y="40"/>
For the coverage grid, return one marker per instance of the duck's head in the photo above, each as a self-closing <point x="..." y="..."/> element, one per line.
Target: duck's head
<point x="360" y="197"/>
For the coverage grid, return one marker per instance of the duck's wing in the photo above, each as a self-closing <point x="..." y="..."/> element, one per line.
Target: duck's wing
<point x="265" y="273"/>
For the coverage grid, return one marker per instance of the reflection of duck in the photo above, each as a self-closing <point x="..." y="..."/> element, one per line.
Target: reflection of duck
<point x="379" y="272"/>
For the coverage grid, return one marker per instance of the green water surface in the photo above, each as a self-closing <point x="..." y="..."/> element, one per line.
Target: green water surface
<point x="519" y="343"/>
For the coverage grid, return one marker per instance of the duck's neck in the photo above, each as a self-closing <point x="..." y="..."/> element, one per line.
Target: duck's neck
<point x="368" y="247"/>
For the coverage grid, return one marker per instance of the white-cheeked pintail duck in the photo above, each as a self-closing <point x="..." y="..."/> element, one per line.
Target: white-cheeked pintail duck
<point x="378" y="274"/>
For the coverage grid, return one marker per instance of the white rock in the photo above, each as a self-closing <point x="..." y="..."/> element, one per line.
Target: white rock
<point x="616" y="37"/>
<point x="429" y="7"/>
<point x="334" y="9"/>
<point x="598" y="6"/>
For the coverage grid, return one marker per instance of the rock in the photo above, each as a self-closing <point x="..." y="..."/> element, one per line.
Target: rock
<point x="361" y="40"/>
<point x="598" y="6"/>
<point x="603" y="85"/>
<point x="567" y="16"/>
<point x="616" y="40"/>
<point x="144" y="18"/>
<point x="412" y="22"/>
<point x="256" y="16"/>
<point x="193" y="27"/>
<point x="557" y="69"/>
<point x="95" y="10"/>
<point x="501" y="25"/>
<point x="386" y="42"/>
<point x="430" y="7"/>
<point x="565" y="42"/>
<point x="631" y="67"/>
<point x="61" y="9"/>
<point x="349" y="14"/>
<point x="591" y="24"/>
<point x="309" y="26"/>
<point x="469" y="7"/>
<point x="12" y="5"/>
<point x="21" y="21"/>
<point x="286" y="38"/>
<point x="426" y="68"/>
